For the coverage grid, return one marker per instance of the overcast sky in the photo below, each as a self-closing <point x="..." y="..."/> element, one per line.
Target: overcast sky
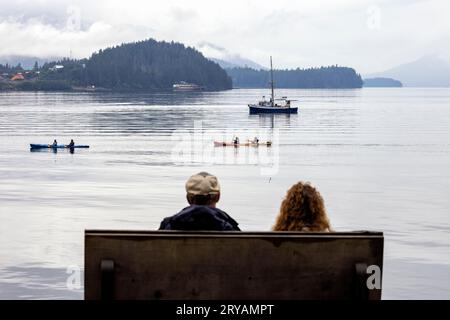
<point x="367" y="35"/>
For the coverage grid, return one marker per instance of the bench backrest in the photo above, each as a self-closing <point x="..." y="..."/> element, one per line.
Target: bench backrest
<point x="231" y="265"/>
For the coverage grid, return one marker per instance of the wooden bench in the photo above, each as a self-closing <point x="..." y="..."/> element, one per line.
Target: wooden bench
<point x="231" y="265"/>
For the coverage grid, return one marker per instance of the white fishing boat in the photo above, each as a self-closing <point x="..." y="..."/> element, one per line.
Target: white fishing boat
<point x="271" y="106"/>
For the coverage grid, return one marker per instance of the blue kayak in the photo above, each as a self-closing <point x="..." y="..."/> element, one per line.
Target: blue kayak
<point x="59" y="146"/>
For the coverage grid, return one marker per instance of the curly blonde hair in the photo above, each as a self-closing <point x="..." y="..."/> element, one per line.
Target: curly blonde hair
<point x="302" y="209"/>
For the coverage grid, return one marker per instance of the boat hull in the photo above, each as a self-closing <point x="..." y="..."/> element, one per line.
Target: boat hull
<point x="59" y="146"/>
<point x="255" y="109"/>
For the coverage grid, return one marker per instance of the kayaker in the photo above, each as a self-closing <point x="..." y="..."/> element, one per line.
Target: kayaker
<point x="202" y="194"/>
<point x="71" y="144"/>
<point x="236" y="140"/>
<point x="256" y="140"/>
<point x="54" y="143"/>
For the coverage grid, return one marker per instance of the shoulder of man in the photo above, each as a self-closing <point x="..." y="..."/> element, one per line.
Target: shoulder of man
<point x="190" y="214"/>
<point x="229" y="220"/>
<point x="165" y="224"/>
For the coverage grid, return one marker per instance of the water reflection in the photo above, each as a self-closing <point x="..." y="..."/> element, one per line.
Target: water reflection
<point x="154" y="98"/>
<point x="144" y="120"/>
<point x="274" y="120"/>
<point x="53" y="150"/>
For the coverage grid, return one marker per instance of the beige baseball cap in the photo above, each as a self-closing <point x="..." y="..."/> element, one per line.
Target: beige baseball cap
<point x="202" y="183"/>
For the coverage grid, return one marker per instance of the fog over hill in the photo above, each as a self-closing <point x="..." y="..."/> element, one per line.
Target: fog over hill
<point x="27" y="62"/>
<point x="428" y="71"/>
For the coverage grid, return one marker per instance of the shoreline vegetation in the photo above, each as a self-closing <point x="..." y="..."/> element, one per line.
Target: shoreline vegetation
<point x="152" y="65"/>
<point x="332" y="77"/>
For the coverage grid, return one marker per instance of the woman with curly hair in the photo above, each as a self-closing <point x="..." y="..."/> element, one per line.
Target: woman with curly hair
<point x="303" y="209"/>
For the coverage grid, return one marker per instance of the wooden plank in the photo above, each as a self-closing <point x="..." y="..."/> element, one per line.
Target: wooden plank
<point x="230" y="265"/>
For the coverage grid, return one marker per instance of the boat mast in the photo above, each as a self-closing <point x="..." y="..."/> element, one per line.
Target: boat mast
<point x="271" y="81"/>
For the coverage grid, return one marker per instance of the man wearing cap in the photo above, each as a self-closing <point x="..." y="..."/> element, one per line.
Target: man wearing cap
<point x="202" y="194"/>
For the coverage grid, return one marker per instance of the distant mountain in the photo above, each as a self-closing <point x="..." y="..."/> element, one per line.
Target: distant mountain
<point x="332" y="77"/>
<point x="238" y="62"/>
<point x="26" y="62"/>
<point x="381" y="82"/>
<point x="428" y="71"/>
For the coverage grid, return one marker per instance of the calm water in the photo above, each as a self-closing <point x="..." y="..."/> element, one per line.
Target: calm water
<point x="380" y="158"/>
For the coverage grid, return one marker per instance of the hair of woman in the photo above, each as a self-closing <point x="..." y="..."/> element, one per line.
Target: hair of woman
<point x="303" y="209"/>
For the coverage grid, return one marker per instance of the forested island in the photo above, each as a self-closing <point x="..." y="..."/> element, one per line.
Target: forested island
<point x="143" y="65"/>
<point x="324" y="77"/>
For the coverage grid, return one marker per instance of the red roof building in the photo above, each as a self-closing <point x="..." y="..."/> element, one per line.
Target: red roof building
<point x="17" y="77"/>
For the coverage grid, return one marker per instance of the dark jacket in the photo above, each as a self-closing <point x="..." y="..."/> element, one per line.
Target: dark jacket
<point x="197" y="217"/>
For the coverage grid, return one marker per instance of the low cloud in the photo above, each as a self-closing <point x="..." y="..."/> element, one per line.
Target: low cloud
<point x="34" y="37"/>
<point x="369" y="35"/>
